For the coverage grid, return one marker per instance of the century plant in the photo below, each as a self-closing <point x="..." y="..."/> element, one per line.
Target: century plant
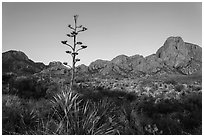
<point x="74" y="48"/>
<point x="75" y="117"/>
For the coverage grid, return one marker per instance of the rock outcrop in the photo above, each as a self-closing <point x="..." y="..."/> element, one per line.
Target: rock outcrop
<point x="56" y="67"/>
<point x="175" y="56"/>
<point x="183" y="56"/>
<point x="97" y="65"/>
<point x="82" y="68"/>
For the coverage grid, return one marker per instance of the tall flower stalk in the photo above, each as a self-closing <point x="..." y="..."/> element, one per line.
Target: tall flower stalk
<point x="75" y="30"/>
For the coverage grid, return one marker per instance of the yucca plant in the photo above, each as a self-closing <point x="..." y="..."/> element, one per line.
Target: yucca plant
<point x="95" y="119"/>
<point x="65" y="104"/>
<point x="82" y="118"/>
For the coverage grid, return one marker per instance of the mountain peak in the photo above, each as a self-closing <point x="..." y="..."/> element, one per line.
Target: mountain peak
<point x="175" y="39"/>
<point x="19" y="55"/>
<point x="18" y="62"/>
<point x="176" y="53"/>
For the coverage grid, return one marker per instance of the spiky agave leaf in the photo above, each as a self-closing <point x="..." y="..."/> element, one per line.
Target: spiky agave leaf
<point x="85" y="118"/>
<point x="65" y="100"/>
<point x="92" y="122"/>
<point x="65" y="104"/>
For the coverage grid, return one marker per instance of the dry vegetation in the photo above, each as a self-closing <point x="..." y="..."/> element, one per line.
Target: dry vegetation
<point x="101" y="111"/>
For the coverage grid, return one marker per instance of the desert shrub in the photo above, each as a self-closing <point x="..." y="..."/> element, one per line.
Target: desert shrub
<point x="173" y="116"/>
<point x="192" y="115"/>
<point x="52" y="89"/>
<point x="196" y="88"/>
<point x="100" y="93"/>
<point x="7" y="82"/>
<point x="192" y="101"/>
<point x="82" y="79"/>
<point x="163" y="123"/>
<point x="179" y="88"/>
<point x="168" y="106"/>
<point x="168" y="126"/>
<point x="16" y="118"/>
<point x="130" y="121"/>
<point x="171" y="81"/>
<point x="29" y="87"/>
<point x="7" y="77"/>
<point x="146" y="106"/>
<point x="23" y="116"/>
<point x="102" y="112"/>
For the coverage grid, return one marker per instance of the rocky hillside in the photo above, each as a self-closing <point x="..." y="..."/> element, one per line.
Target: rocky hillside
<point x="175" y="56"/>
<point x="17" y="62"/>
<point x="56" y="67"/>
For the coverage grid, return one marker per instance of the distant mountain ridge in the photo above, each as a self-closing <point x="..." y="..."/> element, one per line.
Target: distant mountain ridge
<point x="174" y="57"/>
<point x="18" y="62"/>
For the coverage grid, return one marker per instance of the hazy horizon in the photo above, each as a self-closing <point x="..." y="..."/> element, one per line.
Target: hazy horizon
<point x="129" y="28"/>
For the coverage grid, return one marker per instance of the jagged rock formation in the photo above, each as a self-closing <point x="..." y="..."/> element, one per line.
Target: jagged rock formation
<point x="174" y="57"/>
<point x="185" y="57"/>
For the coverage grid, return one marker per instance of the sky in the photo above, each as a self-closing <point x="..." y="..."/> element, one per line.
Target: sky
<point x="117" y="28"/>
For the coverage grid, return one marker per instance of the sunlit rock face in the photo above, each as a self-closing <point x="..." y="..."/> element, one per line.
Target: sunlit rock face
<point x="181" y="55"/>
